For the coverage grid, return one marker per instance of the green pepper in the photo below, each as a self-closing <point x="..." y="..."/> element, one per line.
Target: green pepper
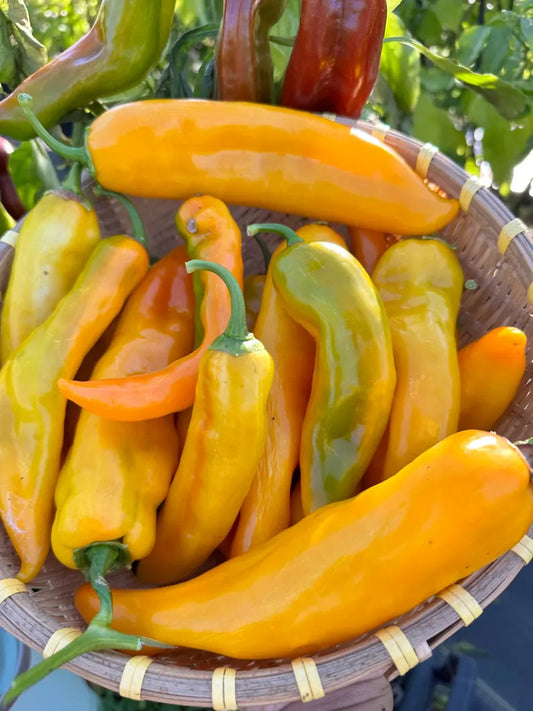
<point x="124" y="43"/>
<point x="327" y="291"/>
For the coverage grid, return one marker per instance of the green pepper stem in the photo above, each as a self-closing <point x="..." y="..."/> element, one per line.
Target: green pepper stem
<point x="287" y="233"/>
<point x="74" y="153"/>
<point x="236" y="339"/>
<point x="95" y="561"/>
<point x="138" y="231"/>
<point x="73" y="180"/>
<point x="264" y="250"/>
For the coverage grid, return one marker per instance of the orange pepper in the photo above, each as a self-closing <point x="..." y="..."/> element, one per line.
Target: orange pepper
<point x="210" y="233"/>
<point x="490" y="369"/>
<point x="266" y="509"/>
<point x="369" y="245"/>
<point x="257" y="155"/>
<point x="451" y="511"/>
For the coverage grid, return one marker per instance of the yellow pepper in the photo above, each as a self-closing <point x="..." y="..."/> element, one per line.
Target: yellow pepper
<point x="32" y="410"/>
<point x="225" y="440"/>
<point x="117" y="473"/>
<point x="420" y="282"/>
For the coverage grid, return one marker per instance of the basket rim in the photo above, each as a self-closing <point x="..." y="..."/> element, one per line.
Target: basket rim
<point x="362" y="658"/>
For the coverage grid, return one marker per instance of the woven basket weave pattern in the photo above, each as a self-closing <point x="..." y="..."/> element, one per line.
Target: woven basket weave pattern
<point x="500" y="297"/>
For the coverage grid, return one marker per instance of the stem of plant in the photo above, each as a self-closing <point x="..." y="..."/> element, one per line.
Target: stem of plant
<point x="100" y="559"/>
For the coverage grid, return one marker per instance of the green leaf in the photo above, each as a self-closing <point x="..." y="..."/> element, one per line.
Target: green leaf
<point x="432" y="124"/>
<point x="32" y="171"/>
<point x="400" y="66"/>
<point x="449" y="13"/>
<point x="428" y="29"/>
<point x="8" y="67"/>
<point x="510" y="102"/>
<point x="30" y="53"/>
<point x="285" y="30"/>
<point x="393" y="4"/>
<point x="504" y="145"/>
<point x="471" y="43"/>
<point x="526" y="31"/>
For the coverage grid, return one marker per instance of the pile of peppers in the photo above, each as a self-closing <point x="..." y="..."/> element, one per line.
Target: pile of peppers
<point x="266" y="452"/>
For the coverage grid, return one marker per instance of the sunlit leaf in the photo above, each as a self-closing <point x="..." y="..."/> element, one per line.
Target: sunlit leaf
<point x="400" y="66"/>
<point x="510" y="102"/>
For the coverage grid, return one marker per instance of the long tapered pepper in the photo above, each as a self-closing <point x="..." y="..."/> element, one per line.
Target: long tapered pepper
<point x="124" y="43"/>
<point x="491" y="369"/>
<point x="327" y="291"/>
<point x="32" y="409"/>
<point x="210" y="233"/>
<point x="335" y="59"/>
<point x="266" y="509"/>
<point x="117" y="473"/>
<point x="243" y="68"/>
<point x="454" y="509"/>
<point x="256" y="155"/>
<point x="54" y="243"/>
<point x="225" y="440"/>
<point x="420" y="282"/>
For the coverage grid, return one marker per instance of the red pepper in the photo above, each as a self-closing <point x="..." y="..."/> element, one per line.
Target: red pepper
<point x="8" y="192"/>
<point x="335" y="60"/>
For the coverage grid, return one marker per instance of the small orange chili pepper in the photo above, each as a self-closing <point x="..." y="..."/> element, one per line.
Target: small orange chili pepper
<point x="369" y="245"/>
<point x="210" y="233"/>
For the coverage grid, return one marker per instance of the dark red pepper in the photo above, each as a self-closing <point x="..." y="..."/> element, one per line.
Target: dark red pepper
<point x="8" y="192"/>
<point x="243" y="66"/>
<point x="335" y="60"/>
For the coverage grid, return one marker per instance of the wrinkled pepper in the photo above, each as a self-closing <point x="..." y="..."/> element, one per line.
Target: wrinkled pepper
<point x="117" y="473"/>
<point x="266" y="509"/>
<point x="491" y="369"/>
<point x="243" y="66"/>
<point x="454" y="509"/>
<point x="32" y="409"/>
<point x="369" y="245"/>
<point x="326" y="290"/>
<point x="421" y="283"/>
<point x="210" y="233"/>
<point x="335" y="60"/>
<point x="124" y="43"/>
<point x="256" y="155"/>
<point x="225" y="440"/>
<point x="54" y="243"/>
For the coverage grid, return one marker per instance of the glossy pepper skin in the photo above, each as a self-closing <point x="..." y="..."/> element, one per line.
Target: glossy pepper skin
<point x="368" y="246"/>
<point x="421" y="282"/>
<point x="266" y="509"/>
<point x="225" y="440"/>
<point x="326" y="290"/>
<point x="32" y="409"/>
<point x="334" y="63"/>
<point x="491" y="369"/>
<point x="454" y="509"/>
<point x="260" y="156"/>
<point x="9" y="197"/>
<point x="54" y="243"/>
<point x="210" y="233"/>
<point x="125" y="42"/>
<point x="243" y="68"/>
<point x="117" y="473"/>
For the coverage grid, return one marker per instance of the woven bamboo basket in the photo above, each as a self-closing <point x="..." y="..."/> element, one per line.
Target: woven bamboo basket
<point x="497" y="255"/>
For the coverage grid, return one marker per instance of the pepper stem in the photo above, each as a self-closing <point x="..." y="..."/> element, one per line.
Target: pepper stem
<point x="287" y="233"/>
<point x="264" y="250"/>
<point x="138" y="231"/>
<point x="95" y="561"/>
<point x="74" y="153"/>
<point x="236" y="339"/>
